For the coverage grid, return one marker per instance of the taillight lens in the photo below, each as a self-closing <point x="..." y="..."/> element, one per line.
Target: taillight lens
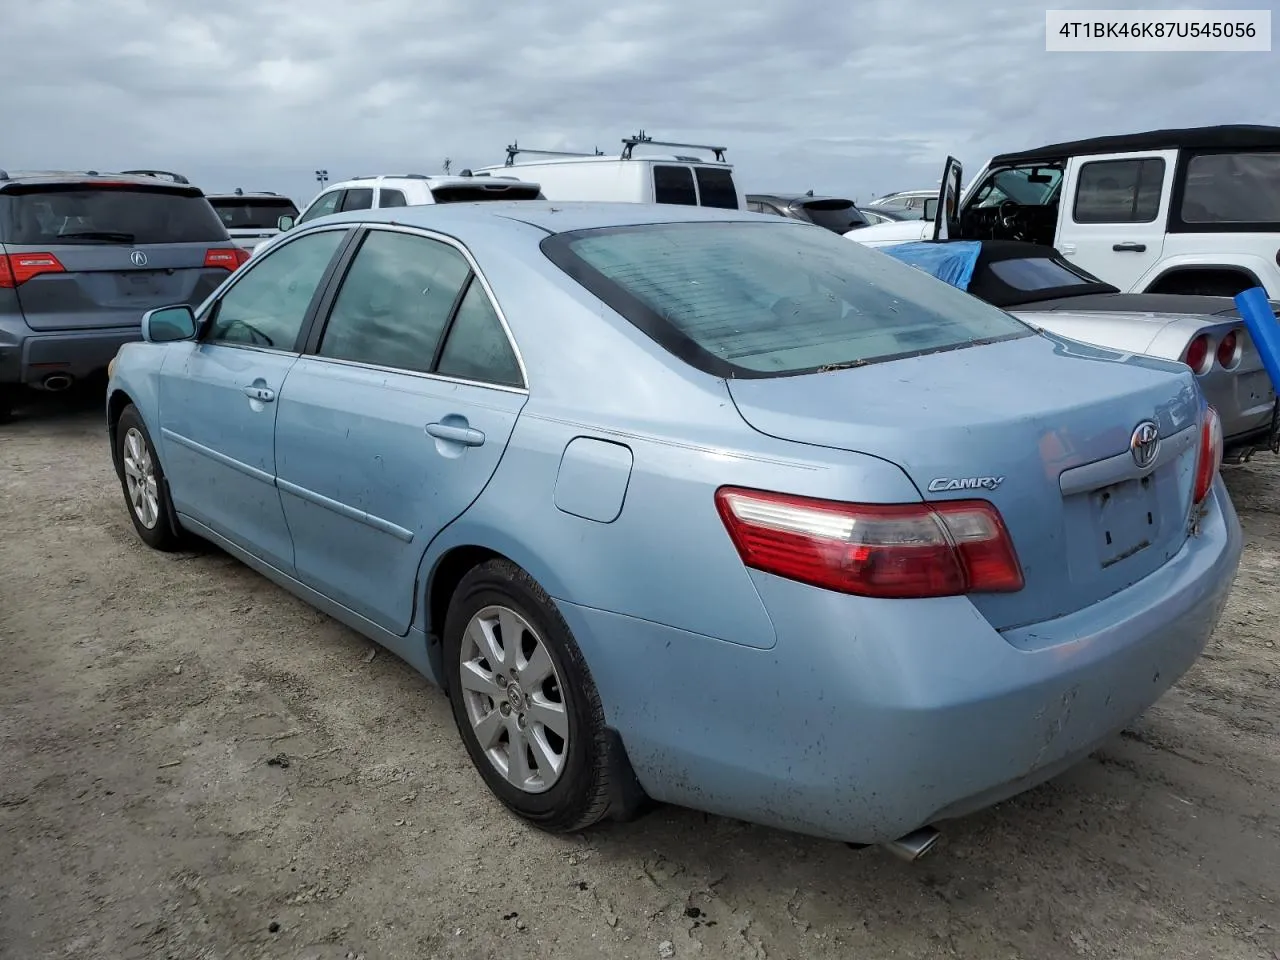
<point x="228" y="258"/>
<point x="1227" y="350"/>
<point x="873" y="550"/>
<point x="21" y="267"/>
<point x="1198" y="353"/>
<point x="1209" y="459"/>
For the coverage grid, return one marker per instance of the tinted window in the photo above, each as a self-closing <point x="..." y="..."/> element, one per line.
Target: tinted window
<point x="1119" y="191"/>
<point x="323" y="205"/>
<point x="395" y="301"/>
<point x="391" y="198"/>
<point x="477" y="347"/>
<point x="838" y="215"/>
<point x="245" y="213"/>
<point x="674" y="185"/>
<point x="1037" y="273"/>
<point x="266" y="306"/>
<point x="1232" y="188"/>
<point x="494" y="190"/>
<point x="715" y="187"/>
<point x="77" y="213"/>
<point x="765" y="298"/>
<point x="361" y="199"/>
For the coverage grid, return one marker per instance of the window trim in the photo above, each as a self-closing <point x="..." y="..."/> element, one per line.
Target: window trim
<point x="1142" y="161"/>
<point x="342" y="265"/>
<point x="209" y="313"/>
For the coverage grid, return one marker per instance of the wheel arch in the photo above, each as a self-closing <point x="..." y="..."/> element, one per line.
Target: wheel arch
<point x="1177" y="278"/>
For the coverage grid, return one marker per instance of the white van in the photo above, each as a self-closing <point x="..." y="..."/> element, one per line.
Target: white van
<point x="664" y="178"/>
<point x="1193" y="211"/>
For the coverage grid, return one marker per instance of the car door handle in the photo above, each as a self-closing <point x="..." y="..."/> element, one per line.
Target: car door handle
<point x="1129" y="247"/>
<point x="265" y="394"/>
<point x="467" y="436"/>
<point x="1068" y="248"/>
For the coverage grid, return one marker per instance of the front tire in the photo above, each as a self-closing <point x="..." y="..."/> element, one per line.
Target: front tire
<point x="142" y="479"/>
<point x="524" y="702"/>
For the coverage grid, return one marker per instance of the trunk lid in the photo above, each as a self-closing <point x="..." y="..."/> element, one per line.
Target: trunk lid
<point x="121" y="249"/>
<point x="1052" y="419"/>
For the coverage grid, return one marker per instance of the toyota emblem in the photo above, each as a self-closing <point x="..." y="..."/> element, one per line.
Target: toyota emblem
<point x="138" y="258"/>
<point x="1144" y="445"/>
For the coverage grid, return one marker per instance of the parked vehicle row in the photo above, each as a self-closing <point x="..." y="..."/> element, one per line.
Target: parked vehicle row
<point x="690" y="504"/>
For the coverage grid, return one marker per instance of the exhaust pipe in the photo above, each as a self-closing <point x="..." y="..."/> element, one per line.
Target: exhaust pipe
<point x="915" y="844"/>
<point x="57" y="382"/>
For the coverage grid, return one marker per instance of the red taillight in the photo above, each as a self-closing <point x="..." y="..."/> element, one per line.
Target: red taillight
<point x="1198" y="353"/>
<point x="21" y="267"/>
<point x="1209" y="458"/>
<point x="874" y="550"/>
<point x="1227" y="350"/>
<point x="228" y="258"/>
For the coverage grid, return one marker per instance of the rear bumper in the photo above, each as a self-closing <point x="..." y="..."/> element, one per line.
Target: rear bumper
<point x="871" y="718"/>
<point x="27" y="356"/>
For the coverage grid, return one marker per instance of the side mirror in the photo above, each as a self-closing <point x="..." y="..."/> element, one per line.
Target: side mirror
<point x="284" y="223"/>
<point x="168" y="324"/>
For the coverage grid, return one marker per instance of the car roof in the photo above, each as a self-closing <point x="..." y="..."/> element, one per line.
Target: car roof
<point x="58" y="178"/>
<point x="1225" y="136"/>
<point x="549" y="216"/>
<point x="431" y="180"/>
<point x="794" y="197"/>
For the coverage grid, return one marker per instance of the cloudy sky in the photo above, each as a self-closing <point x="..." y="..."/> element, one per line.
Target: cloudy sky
<point x="859" y="97"/>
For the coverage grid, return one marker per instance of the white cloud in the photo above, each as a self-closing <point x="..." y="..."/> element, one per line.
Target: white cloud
<point x="856" y="97"/>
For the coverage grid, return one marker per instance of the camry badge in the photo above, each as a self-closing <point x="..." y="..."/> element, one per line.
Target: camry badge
<point x="943" y="484"/>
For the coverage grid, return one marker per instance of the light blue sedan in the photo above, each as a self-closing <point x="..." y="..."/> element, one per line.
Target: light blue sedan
<point x="693" y="505"/>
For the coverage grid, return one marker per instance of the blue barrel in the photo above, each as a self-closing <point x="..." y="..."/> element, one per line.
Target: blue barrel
<point x="1258" y="316"/>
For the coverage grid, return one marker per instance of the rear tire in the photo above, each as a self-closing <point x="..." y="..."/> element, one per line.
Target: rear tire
<point x="524" y="702"/>
<point x="146" y="493"/>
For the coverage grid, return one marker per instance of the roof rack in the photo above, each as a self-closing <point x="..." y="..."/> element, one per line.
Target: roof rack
<point x="158" y="174"/>
<point x="515" y="150"/>
<point x="630" y="143"/>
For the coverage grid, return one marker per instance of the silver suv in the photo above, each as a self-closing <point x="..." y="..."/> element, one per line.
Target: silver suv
<point x="83" y="256"/>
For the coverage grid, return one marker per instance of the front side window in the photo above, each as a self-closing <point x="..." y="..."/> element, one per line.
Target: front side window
<point x="395" y="301"/>
<point x="674" y="185"/>
<point x="268" y="304"/>
<point x="1232" y="188"/>
<point x="1119" y="191"/>
<point x="772" y="298"/>
<point x="324" y="205"/>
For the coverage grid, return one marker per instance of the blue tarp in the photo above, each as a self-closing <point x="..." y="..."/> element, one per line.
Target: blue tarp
<point x="952" y="262"/>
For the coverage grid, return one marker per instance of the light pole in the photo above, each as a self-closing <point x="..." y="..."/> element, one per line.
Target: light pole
<point x="322" y="177"/>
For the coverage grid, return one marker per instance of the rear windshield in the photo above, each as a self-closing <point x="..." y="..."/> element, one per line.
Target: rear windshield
<point x="246" y="213"/>
<point x="1038" y="273"/>
<point x="772" y="298"/>
<point x="838" y="215"/>
<point x="466" y="193"/>
<point x="89" y="213"/>
<point x="1232" y="188"/>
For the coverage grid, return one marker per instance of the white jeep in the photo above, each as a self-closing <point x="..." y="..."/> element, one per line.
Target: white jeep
<point x="1192" y="211"/>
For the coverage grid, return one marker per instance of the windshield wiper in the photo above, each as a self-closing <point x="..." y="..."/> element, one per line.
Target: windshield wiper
<point x="108" y="236"/>
<point x="830" y="367"/>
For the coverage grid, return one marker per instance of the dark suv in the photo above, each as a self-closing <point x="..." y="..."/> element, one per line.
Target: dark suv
<point x="83" y="256"/>
<point x="835" y="213"/>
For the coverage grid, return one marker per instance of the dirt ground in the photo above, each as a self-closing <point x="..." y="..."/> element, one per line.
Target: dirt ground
<point x="193" y="764"/>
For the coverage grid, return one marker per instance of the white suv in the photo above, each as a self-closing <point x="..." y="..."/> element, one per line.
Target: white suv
<point x="1194" y="211"/>
<point x="408" y="190"/>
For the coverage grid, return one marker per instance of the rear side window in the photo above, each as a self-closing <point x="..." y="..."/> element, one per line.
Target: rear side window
<point x="395" y="301"/>
<point x="477" y="347"/>
<point x="715" y="187"/>
<point x="83" y="213"/>
<point x="1232" y="188"/>
<point x="247" y="213"/>
<point x="772" y="298"/>
<point x="674" y="185"/>
<point x="391" y="198"/>
<point x="1119" y="191"/>
<point x="361" y="199"/>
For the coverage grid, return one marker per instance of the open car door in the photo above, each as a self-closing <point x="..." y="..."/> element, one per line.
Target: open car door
<point x="946" y="219"/>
